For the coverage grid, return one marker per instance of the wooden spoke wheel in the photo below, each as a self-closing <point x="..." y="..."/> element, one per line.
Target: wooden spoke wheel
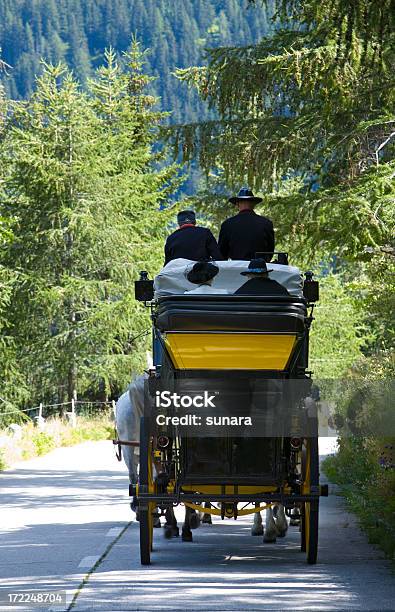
<point x="310" y="510"/>
<point x="146" y="509"/>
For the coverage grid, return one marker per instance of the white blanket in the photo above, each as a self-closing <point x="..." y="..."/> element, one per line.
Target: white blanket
<point x="171" y="279"/>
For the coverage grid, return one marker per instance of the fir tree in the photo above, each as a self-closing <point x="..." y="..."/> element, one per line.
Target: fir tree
<point x="312" y="104"/>
<point x="85" y="193"/>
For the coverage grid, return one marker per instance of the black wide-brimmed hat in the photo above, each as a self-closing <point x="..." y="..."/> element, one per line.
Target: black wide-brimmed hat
<point x="201" y="272"/>
<point x="256" y="266"/>
<point x="245" y="194"/>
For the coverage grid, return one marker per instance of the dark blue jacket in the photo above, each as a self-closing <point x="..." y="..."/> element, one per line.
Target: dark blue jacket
<point x="191" y="242"/>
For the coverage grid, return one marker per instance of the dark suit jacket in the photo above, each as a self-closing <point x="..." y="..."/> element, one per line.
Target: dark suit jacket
<point x="191" y="242"/>
<point x="246" y="234"/>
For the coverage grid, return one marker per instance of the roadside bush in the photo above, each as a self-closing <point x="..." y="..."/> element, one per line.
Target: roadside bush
<point x="3" y="464"/>
<point x="43" y="442"/>
<point x="364" y="466"/>
<point x="57" y="433"/>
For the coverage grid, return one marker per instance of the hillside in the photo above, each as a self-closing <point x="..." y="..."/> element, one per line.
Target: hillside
<point x="77" y="32"/>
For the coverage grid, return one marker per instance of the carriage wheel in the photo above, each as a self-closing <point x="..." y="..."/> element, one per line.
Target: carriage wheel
<point x="302" y="506"/>
<point x="145" y="483"/>
<point x="310" y="510"/>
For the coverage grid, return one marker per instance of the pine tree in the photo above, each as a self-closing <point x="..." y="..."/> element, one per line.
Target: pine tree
<point x="13" y="389"/>
<point x="309" y="120"/>
<point x="83" y="188"/>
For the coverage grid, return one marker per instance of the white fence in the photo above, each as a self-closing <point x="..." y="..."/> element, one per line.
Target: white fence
<point x="70" y="414"/>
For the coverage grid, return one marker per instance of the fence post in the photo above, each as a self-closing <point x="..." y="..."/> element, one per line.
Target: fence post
<point x="39" y="420"/>
<point x="71" y="415"/>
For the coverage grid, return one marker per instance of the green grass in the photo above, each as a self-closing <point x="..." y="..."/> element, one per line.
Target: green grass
<point x="57" y="433"/>
<point x="369" y="493"/>
<point x="3" y="464"/>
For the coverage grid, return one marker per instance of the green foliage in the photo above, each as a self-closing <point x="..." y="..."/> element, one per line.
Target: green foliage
<point x="12" y="390"/>
<point x="365" y="404"/>
<point x="83" y="191"/>
<point x="57" y="433"/>
<point x="375" y="285"/>
<point x="312" y="106"/>
<point x="336" y="339"/>
<point x="309" y="122"/>
<point x="362" y="467"/>
<point x="87" y="429"/>
<point x="368" y="488"/>
<point x="76" y="32"/>
<point x="43" y="443"/>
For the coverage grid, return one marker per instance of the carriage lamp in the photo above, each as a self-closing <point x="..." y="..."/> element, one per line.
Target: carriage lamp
<point x="163" y="441"/>
<point x="282" y="259"/>
<point x="144" y="288"/>
<point x="296" y="443"/>
<point x="311" y="288"/>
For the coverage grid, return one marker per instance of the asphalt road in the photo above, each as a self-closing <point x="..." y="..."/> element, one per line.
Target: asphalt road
<point x="65" y="525"/>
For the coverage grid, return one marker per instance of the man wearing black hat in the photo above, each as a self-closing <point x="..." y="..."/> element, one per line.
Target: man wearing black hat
<point x="246" y="234"/>
<point x="190" y="241"/>
<point x="202" y="274"/>
<point x="259" y="282"/>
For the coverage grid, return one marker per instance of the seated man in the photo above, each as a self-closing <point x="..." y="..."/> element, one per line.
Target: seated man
<point x="190" y="241"/>
<point x="246" y="234"/>
<point x="202" y="274"/>
<point x="259" y="282"/>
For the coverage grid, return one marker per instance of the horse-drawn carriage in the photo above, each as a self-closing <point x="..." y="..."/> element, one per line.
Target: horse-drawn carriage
<point x="234" y="345"/>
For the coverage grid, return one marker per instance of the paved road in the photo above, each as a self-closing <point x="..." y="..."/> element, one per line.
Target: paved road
<point x="63" y="513"/>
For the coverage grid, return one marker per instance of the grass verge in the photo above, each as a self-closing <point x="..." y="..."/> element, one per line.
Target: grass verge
<point x="32" y="442"/>
<point x="371" y="498"/>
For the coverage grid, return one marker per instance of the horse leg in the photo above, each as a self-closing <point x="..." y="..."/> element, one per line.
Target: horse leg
<point x="206" y="516"/>
<point x="131" y="463"/>
<point x="257" y="526"/>
<point x="186" y="528"/>
<point x="270" y="527"/>
<point x="170" y="527"/>
<point x="281" y="521"/>
<point x="194" y="519"/>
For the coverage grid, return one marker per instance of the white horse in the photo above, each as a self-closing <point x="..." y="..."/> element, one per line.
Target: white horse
<point x="129" y="410"/>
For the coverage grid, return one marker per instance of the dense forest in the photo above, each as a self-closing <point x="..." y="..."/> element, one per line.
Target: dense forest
<point x="78" y="31"/>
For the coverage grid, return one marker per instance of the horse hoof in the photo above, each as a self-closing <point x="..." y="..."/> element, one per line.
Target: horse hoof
<point x="194" y="520"/>
<point x="269" y="538"/>
<point x="157" y="524"/>
<point x="257" y="531"/>
<point x="187" y="536"/>
<point x="171" y="532"/>
<point x="207" y="519"/>
<point x="294" y="522"/>
<point x="282" y="533"/>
